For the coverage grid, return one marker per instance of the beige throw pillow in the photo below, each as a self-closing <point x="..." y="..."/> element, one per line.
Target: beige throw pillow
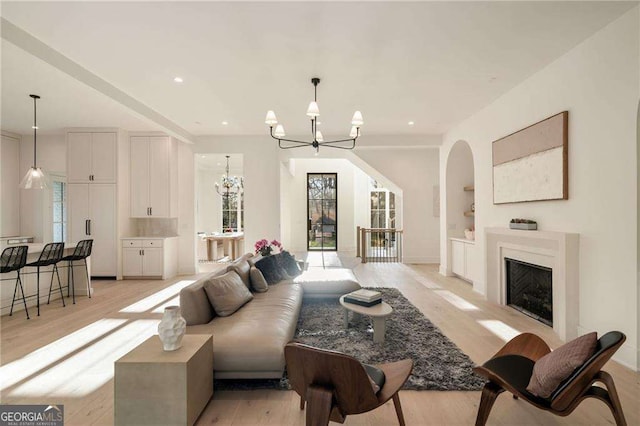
<point x="258" y="282"/>
<point x="227" y="293"/>
<point x="553" y="368"/>
<point x="242" y="269"/>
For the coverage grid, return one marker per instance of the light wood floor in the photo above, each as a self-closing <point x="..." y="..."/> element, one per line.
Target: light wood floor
<point x="75" y="372"/>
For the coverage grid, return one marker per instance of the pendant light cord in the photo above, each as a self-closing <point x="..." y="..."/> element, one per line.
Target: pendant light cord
<point x="35" y="132"/>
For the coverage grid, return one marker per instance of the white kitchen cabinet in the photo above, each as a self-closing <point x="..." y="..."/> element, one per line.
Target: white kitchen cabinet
<point x="154" y="177"/>
<point x="149" y="257"/>
<point x="9" y="185"/>
<point x="92" y="215"/>
<point x="463" y="260"/>
<point x="91" y="157"/>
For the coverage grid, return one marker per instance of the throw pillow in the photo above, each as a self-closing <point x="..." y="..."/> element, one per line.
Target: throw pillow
<point x="269" y="267"/>
<point x="288" y="263"/>
<point x="258" y="282"/>
<point x="227" y="293"/>
<point x="242" y="267"/>
<point x="253" y="260"/>
<point x="376" y="377"/>
<point x="553" y="368"/>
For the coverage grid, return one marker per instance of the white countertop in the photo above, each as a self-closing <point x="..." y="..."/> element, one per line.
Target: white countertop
<point x="36" y="247"/>
<point x="154" y="237"/>
<point x="463" y="240"/>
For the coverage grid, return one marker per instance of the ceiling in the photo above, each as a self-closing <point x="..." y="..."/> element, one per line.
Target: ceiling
<point x="218" y="162"/>
<point x="433" y="63"/>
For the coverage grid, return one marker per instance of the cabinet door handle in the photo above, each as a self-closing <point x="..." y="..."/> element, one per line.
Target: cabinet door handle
<point x="139" y="252"/>
<point x="143" y="252"/>
<point x="151" y="211"/>
<point x="89" y="227"/>
<point x="86" y="227"/>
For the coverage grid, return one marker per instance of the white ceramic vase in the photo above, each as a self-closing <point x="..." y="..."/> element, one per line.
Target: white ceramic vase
<point x="172" y="328"/>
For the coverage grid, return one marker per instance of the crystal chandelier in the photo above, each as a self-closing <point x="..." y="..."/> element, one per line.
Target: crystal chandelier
<point x="229" y="184"/>
<point x="35" y="177"/>
<point x="317" y="140"/>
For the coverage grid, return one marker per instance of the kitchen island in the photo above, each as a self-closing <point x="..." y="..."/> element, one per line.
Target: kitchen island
<point x="29" y="280"/>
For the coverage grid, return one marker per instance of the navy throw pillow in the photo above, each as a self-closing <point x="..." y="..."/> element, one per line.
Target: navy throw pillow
<point x="289" y="264"/>
<point x="270" y="269"/>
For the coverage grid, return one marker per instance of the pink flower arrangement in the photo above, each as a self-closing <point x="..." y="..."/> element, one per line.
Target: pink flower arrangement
<point x="264" y="247"/>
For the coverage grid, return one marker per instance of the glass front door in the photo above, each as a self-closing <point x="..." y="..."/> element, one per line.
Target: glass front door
<point x="322" y="211"/>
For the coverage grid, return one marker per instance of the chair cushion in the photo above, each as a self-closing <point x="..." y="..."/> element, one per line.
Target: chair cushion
<point x="550" y="370"/>
<point x="269" y="267"/>
<point x="258" y="283"/>
<point x="376" y="377"/>
<point x="227" y="293"/>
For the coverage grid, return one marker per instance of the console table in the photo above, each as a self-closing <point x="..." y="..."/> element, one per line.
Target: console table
<point x="231" y="242"/>
<point x="154" y="387"/>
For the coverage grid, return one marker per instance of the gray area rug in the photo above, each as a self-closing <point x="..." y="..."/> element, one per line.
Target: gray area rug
<point x="438" y="363"/>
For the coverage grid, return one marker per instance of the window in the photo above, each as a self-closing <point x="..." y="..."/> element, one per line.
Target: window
<point x="383" y="209"/>
<point x="322" y="211"/>
<point x="232" y="209"/>
<point x="59" y="209"/>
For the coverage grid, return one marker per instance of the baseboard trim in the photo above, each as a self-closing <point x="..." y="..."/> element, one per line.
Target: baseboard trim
<point x="420" y="259"/>
<point x="444" y="271"/>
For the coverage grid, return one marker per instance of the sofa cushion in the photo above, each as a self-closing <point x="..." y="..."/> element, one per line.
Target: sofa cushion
<point x="269" y="267"/>
<point x="258" y="283"/>
<point x="332" y="282"/>
<point x="242" y="268"/>
<point x="553" y="368"/>
<point x="252" y="340"/>
<point x="227" y="293"/>
<point x="194" y="303"/>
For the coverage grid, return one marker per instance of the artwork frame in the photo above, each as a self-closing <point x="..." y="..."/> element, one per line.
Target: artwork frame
<point x="532" y="164"/>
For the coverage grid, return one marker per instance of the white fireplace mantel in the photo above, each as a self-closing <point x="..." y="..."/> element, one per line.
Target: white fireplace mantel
<point x="556" y="250"/>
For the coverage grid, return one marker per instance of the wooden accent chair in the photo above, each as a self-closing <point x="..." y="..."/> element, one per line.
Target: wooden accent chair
<point x="510" y="369"/>
<point x="335" y="385"/>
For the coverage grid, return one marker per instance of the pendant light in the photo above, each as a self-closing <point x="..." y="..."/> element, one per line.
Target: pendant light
<point x="35" y="177"/>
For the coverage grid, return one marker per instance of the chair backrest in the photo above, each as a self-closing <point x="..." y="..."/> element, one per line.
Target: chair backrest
<point x="83" y="249"/>
<point x="13" y="258"/>
<point x="576" y="384"/>
<point x="51" y="253"/>
<point x="347" y="377"/>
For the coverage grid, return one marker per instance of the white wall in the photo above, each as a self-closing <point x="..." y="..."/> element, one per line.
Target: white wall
<point x="9" y="182"/>
<point x="416" y="171"/>
<point x="261" y="170"/>
<point x="52" y="158"/>
<point x="597" y="82"/>
<point x="209" y="203"/>
<point x="294" y="191"/>
<point x="186" y="210"/>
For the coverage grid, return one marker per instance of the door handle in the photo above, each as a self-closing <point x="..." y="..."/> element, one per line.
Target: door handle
<point x="151" y="211"/>
<point x="86" y="227"/>
<point x="89" y="227"/>
<point x="143" y="252"/>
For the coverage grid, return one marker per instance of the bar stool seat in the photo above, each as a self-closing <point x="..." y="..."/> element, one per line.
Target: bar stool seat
<point x="81" y="252"/>
<point x="14" y="259"/>
<point x="51" y="254"/>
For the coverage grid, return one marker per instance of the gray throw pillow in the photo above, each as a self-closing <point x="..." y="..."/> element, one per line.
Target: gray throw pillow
<point x="270" y="268"/>
<point x="258" y="282"/>
<point x="553" y="368"/>
<point x="242" y="268"/>
<point x="227" y="293"/>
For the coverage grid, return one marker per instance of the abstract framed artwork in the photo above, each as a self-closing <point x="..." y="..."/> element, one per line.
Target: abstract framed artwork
<point x="531" y="164"/>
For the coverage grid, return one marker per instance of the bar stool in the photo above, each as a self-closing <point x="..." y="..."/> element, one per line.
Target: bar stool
<point x="51" y="255"/>
<point x="14" y="259"/>
<point x="81" y="252"/>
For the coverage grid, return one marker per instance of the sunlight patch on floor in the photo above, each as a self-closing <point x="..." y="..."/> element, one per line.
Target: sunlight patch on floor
<point x="89" y="369"/>
<point x="157" y="298"/>
<point x="456" y="300"/>
<point x="20" y="369"/>
<point x="326" y="259"/>
<point x="173" y="302"/>
<point x="500" y="329"/>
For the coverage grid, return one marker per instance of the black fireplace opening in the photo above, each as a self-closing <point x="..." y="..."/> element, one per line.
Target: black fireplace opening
<point x="529" y="290"/>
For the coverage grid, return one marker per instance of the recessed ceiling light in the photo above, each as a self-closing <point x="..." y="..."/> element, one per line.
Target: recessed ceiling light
<point x="224" y="123"/>
<point x="178" y="79"/>
<point x="203" y="156"/>
<point x="411" y="123"/>
<point x="318" y="122"/>
<point x="218" y="164"/>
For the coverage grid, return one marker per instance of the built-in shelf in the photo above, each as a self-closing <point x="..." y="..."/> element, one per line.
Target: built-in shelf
<point x="469" y="214"/>
<point x="469" y="188"/>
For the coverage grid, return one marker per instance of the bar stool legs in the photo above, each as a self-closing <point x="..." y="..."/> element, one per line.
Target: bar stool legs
<point x="19" y="283"/>
<point x="55" y="269"/>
